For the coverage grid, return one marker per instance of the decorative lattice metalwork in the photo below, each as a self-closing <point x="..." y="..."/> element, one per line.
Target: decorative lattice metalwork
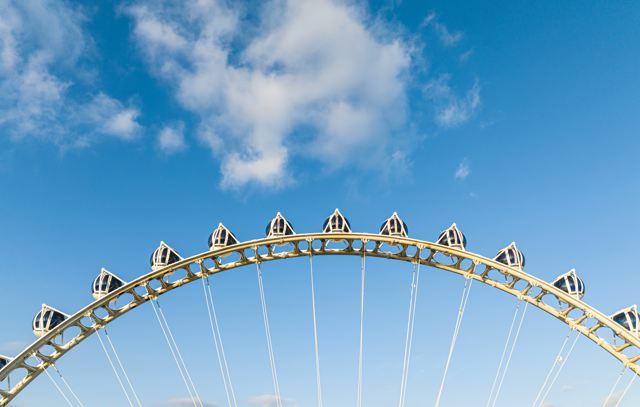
<point x="583" y="318"/>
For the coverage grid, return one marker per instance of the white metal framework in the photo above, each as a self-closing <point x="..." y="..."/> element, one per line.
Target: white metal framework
<point x="570" y="283"/>
<point x="336" y="223"/>
<point x="47" y="320"/>
<point x="4" y="360"/>
<point x="163" y="256"/>
<point x="60" y="333"/>
<point x="511" y="257"/>
<point x="394" y="226"/>
<point x="628" y="318"/>
<point x="105" y="283"/>
<point x="279" y="226"/>
<point x="221" y="237"/>
<point x="452" y="237"/>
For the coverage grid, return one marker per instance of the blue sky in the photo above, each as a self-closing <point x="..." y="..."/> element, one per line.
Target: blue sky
<point x="127" y="123"/>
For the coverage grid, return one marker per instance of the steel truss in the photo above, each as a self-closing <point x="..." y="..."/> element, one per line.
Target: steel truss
<point x="578" y="315"/>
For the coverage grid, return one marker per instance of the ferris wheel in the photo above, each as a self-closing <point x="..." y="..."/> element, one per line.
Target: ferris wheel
<point x="58" y="332"/>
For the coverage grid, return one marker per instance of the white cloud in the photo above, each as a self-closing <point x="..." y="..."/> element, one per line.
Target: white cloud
<point x="312" y="79"/>
<point x="269" y="400"/>
<point x="156" y="32"/>
<point x="315" y="79"/>
<point x="171" y="139"/>
<point x="463" y="170"/>
<point x="111" y="117"/>
<point x="465" y="56"/>
<point x="41" y="47"/>
<point x="123" y="123"/>
<point x="186" y="402"/>
<point x="452" y="110"/>
<point x="446" y="37"/>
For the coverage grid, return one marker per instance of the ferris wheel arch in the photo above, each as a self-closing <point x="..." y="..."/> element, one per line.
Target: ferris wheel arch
<point x="574" y="312"/>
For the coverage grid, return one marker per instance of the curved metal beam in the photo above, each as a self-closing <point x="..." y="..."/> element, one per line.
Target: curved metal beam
<point x="575" y="313"/>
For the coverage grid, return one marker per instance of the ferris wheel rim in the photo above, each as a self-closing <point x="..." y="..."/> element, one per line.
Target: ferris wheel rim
<point x="74" y="320"/>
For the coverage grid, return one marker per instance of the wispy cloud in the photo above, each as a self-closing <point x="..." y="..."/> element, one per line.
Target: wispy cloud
<point x="111" y="117"/>
<point x="316" y="79"/>
<point x="452" y="110"/>
<point x="446" y="37"/>
<point x="171" y="139"/>
<point x="186" y="402"/>
<point x="463" y="170"/>
<point x="42" y="46"/>
<point x="465" y="56"/>
<point x="270" y="400"/>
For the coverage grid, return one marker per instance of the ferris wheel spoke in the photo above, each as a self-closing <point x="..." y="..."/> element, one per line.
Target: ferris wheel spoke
<point x="504" y="355"/>
<point x="561" y="365"/>
<point x="407" y="338"/>
<point x="113" y="367"/>
<point x="508" y="362"/>
<point x="509" y="348"/>
<point x="224" y="357"/>
<point x="267" y="330"/>
<point x="415" y="280"/>
<point x="57" y="386"/>
<point x="124" y="371"/>
<point x="557" y="366"/>
<point x="177" y="357"/>
<point x="50" y="324"/>
<point x="614" y="387"/>
<point x="626" y="390"/>
<point x="463" y="305"/>
<point x="177" y="350"/>
<point x="315" y="333"/>
<point x="553" y="366"/>
<point x="66" y="384"/>
<point x="361" y="347"/>
<point x="217" y="340"/>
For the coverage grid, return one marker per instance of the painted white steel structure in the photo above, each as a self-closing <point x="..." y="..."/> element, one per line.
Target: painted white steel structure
<point x="586" y="320"/>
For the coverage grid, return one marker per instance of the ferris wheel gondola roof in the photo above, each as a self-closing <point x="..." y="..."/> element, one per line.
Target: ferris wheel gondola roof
<point x="279" y="226"/>
<point x="336" y="223"/>
<point x="163" y="256"/>
<point x="511" y="256"/>
<point x="628" y="318"/>
<point x="394" y="226"/>
<point x="105" y="283"/>
<point x="452" y="237"/>
<point x="4" y="360"/>
<point x="570" y="283"/>
<point x="50" y="319"/>
<point x="47" y="319"/>
<point x="221" y="237"/>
